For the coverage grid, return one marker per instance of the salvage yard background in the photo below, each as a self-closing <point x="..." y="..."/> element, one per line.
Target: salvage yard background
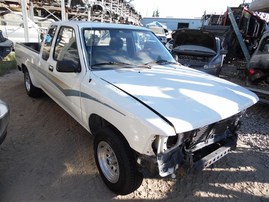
<point x="47" y="156"/>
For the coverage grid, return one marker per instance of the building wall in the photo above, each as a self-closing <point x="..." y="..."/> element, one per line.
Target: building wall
<point x="174" y="23"/>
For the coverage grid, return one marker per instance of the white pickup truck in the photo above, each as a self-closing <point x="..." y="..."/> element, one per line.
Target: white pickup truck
<point x="145" y="110"/>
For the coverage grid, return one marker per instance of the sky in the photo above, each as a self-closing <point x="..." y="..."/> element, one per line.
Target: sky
<point x="183" y="8"/>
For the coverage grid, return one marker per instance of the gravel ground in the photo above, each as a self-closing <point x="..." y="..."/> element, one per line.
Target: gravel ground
<point x="47" y="156"/>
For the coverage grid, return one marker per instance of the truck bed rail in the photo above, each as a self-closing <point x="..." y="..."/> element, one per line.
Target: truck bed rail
<point x="32" y="45"/>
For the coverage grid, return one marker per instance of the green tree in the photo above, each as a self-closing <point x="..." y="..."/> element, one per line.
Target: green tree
<point x="157" y="13"/>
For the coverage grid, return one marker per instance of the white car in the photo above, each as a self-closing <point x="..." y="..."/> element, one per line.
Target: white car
<point x="145" y="110"/>
<point x="160" y="33"/>
<point x="12" y="28"/>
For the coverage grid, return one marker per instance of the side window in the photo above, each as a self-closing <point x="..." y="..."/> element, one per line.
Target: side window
<point x="264" y="48"/>
<point x="48" y="42"/>
<point x="66" y="46"/>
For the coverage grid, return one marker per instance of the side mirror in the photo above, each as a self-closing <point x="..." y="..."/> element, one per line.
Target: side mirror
<point x="68" y="66"/>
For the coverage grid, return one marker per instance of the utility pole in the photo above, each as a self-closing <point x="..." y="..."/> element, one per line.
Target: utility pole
<point x="63" y="10"/>
<point x="25" y="20"/>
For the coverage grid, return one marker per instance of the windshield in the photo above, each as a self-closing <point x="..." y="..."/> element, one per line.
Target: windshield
<point x="116" y="48"/>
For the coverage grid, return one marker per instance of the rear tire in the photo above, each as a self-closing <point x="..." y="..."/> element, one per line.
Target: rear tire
<point x="31" y="90"/>
<point x="116" y="162"/>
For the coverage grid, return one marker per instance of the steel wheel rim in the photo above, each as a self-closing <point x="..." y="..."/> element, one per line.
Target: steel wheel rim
<point x="27" y="82"/>
<point x="108" y="162"/>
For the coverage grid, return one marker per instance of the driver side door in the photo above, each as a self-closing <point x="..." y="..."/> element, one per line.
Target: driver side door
<point x="64" y="72"/>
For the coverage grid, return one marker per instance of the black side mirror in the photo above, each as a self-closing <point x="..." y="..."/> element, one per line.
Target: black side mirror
<point x="68" y="66"/>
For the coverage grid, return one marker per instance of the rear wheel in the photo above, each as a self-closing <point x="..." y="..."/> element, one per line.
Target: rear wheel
<point x="116" y="162"/>
<point x="31" y="90"/>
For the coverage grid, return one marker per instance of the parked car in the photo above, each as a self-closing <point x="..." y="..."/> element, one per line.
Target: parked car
<point x="5" y="46"/>
<point x="4" y="119"/>
<point x="145" y="110"/>
<point x="160" y="33"/>
<point x="169" y="44"/>
<point x="12" y="26"/>
<point x="160" y="30"/>
<point x="198" y="49"/>
<point x="258" y="66"/>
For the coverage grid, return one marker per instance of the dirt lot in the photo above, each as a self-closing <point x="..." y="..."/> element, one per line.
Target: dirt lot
<point x="47" y="156"/>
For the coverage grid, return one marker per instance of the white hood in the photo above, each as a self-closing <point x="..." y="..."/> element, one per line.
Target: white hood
<point x="188" y="98"/>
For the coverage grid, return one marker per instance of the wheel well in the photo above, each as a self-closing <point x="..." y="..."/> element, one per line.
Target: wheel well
<point x="97" y="122"/>
<point x="23" y="68"/>
<point x="19" y="68"/>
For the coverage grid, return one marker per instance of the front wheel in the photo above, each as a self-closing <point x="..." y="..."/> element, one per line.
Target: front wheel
<point x="31" y="90"/>
<point x="116" y="162"/>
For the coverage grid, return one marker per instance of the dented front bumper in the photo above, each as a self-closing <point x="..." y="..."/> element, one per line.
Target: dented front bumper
<point x="191" y="159"/>
<point x="197" y="149"/>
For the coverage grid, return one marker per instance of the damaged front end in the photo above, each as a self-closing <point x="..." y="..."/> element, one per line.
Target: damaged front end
<point x="196" y="149"/>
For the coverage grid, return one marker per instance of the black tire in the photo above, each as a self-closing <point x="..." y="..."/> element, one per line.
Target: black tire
<point x="31" y="90"/>
<point x="116" y="162"/>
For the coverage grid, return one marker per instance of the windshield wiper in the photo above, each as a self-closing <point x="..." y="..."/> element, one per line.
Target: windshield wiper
<point x="121" y="63"/>
<point x="110" y="63"/>
<point x="161" y="62"/>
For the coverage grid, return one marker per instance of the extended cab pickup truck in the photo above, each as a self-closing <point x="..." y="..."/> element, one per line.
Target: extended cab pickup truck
<point x="146" y="111"/>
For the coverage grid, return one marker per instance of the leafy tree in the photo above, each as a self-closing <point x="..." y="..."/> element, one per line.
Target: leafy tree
<point x="157" y="13"/>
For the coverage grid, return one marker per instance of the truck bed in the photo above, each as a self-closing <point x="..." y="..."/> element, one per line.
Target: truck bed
<point x="32" y="45"/>
<point x="27" y="54"/>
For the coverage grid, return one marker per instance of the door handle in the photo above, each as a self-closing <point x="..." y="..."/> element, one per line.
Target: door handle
<point x="51" y="68"/>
